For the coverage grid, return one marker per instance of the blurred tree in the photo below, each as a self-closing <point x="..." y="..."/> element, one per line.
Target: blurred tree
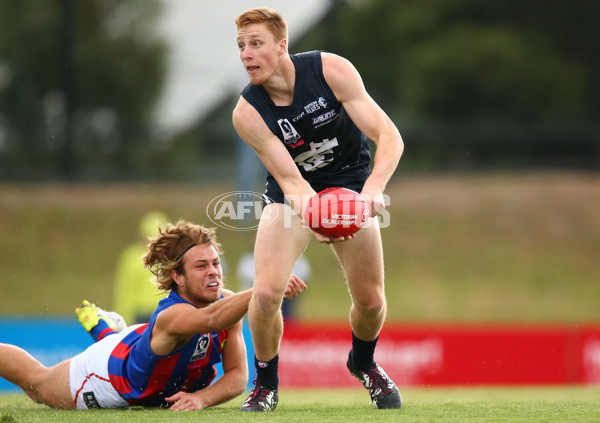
<point x="488" y="60"/>
<point x="463" y="77"/>
<point x="118" y="68"/>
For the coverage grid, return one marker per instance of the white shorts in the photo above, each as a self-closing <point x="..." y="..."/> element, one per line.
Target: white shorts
<point x="90" y="384"/>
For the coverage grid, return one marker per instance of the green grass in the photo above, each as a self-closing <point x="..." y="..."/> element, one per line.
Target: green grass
<point x="478" y="248"/>
<point x="470" y="248"/>
<point x="497" y="404"/>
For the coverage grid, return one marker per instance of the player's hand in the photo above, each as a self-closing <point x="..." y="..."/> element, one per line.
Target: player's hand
<point x="375" y="199"/>
<point x="294" y="287"/>
<point x="324" y="239"/>
<point x="185" y="401"/>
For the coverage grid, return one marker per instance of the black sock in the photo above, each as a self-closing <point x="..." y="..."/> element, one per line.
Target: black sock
<point x="362" y="353"/>
<point x="266" y="372"/>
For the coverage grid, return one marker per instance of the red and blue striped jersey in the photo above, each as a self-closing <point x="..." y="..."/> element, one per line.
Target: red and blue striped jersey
<point x="142" y="377"/>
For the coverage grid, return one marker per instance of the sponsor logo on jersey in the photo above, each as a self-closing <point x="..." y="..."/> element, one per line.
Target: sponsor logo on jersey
<point x="324" y="118"/>
<point x="319" y="155"/>
<point x="291" y="137"/>
<point x="313" y="106"/>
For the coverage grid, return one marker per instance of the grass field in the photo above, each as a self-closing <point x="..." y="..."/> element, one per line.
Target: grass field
<point x="473" y="248"/>
<point x="498" y="404"/>
<point x="489" y="247"/>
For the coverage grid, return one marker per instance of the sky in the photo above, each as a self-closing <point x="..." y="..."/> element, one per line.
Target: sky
<point x="204" y="64"/>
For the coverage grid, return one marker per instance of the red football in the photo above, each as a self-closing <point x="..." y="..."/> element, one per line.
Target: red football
<point x="337" y="212"/>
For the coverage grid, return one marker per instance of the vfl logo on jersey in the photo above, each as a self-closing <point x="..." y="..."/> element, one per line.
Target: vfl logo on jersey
<point x="312" y="107"/>
<point x="201" y="348"/>
<point x="291" y="137"/>
<point x="319" y="155"/>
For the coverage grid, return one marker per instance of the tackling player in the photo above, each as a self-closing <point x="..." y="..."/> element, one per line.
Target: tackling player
<point x="169" y="360"/>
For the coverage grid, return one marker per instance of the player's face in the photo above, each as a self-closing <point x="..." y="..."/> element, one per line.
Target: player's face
<point x="202" y="281"/>
<point x="260" y="52"/>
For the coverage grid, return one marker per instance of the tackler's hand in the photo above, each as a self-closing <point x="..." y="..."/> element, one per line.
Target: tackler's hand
<point x="294" y="287"/>
<point x="186" y="401"/>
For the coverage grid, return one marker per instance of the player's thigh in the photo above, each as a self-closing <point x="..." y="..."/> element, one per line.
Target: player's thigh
<point x="54" y="388"/>
<point x="279" y="242"/>
<point x="362" y="261"/>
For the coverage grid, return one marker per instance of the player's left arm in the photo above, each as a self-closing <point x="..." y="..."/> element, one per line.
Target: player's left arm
<point x="235" y="366"/>
<point x="231" y="384"/>
<point x="348" y="87"/>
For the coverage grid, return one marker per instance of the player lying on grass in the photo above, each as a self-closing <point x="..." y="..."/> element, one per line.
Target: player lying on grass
<point x="168" y="361"/>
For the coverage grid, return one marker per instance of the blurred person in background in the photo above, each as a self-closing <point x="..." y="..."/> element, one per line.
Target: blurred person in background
<point x="309" y="118"/>
<point x="168" y="361"/>
<point x="134" y="295"/>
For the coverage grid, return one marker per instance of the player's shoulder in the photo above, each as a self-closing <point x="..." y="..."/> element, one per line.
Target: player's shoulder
<point x="246" y="119"/>
<point x="243" y="110"/>
<point x="341" y="75"/>
<point x="175" y="308"/>
<point x="166" y="316"/>
<point x="335" y="63"/>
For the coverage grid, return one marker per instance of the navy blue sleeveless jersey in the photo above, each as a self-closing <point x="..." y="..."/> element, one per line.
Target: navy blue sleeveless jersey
<point x="326" y="145"/>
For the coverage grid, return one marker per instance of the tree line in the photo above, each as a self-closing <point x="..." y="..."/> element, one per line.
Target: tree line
<point x="469" y="84"/>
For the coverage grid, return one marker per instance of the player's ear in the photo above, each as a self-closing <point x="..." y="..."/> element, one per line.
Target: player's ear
<point x="283" y="46"/>
<point x="177" y="277"/>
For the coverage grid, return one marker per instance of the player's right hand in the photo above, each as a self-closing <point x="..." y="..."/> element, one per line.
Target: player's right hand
<point x="294" y="287"/>
<point x="323" y="239"/>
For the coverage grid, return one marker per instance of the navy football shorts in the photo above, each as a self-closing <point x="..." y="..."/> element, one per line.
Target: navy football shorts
<point x="274" y="194"/>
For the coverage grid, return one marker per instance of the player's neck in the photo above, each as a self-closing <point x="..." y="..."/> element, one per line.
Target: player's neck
<point x="280" y="86"/>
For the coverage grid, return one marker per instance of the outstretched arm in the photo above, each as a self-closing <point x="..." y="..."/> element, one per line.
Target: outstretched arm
<point x="251" y="128"/>
<point x="177" y="324"/>
<point x="235" y="367"/>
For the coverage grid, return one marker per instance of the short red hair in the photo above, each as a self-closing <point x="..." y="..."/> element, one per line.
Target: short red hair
<point x="274" y="21"/>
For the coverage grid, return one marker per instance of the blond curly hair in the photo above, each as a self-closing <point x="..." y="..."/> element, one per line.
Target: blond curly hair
<point x="166" y="250"/>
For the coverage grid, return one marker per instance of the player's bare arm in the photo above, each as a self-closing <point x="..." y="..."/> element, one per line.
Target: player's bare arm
<point x="177" y="324"/>
<point x="235" y="366"/>
<point x="348" y="87"/>
<point x="251" y="127"/>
